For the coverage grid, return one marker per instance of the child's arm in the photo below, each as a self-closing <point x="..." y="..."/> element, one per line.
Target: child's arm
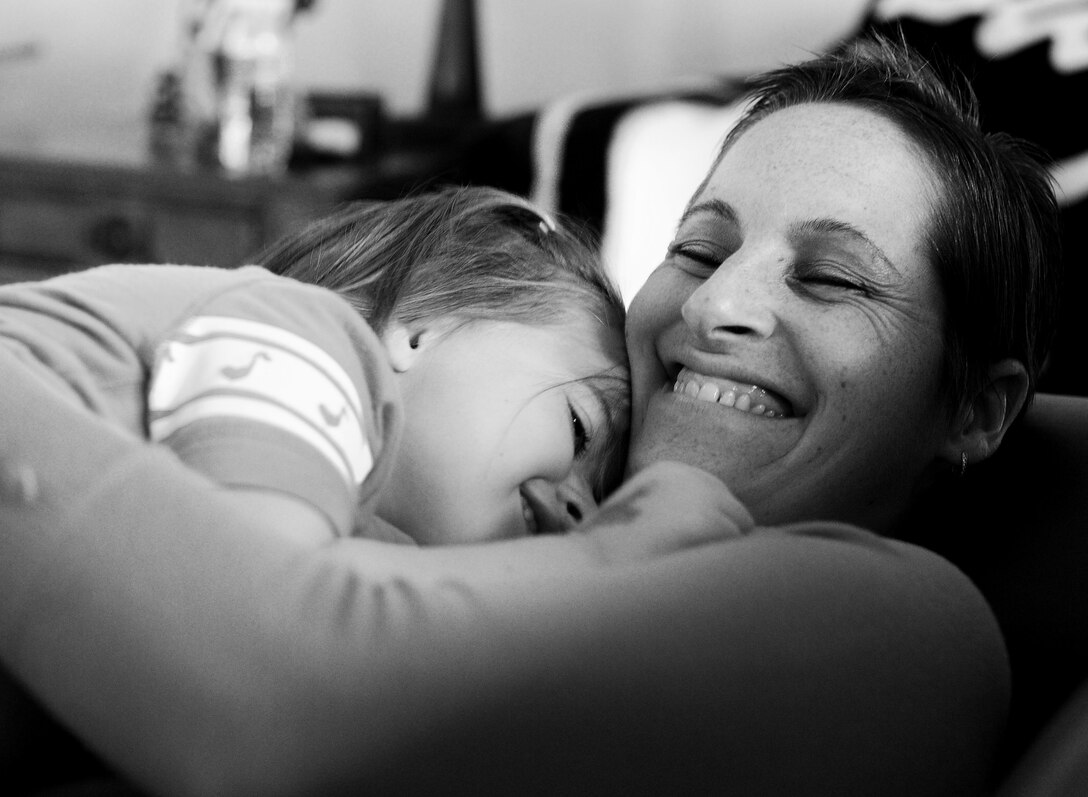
<point x="281" y="514"/>
<point x="665" y="507"/>
<point x="285" y="515"/>
<point x="276" y="391"/>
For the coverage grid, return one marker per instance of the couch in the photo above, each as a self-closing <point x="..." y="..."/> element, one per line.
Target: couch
<point x="1017" y="524"/>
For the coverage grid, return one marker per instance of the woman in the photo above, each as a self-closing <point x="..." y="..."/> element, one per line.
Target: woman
<point x="827" y="365"/>
<point x="902" y="325"/>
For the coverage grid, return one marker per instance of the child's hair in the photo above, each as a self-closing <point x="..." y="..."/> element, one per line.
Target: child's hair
<point x="473" y="253"/>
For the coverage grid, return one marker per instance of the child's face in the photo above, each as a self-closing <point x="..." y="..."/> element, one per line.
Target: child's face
<point x="505" y="427"/>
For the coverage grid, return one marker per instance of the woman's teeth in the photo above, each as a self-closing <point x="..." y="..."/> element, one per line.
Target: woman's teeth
<point x="747" y="398"/>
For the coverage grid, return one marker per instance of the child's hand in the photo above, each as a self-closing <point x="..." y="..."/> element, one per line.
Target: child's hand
<point x="665" y="507"/>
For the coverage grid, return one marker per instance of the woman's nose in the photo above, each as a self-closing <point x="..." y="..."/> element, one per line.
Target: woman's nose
<point x="736" y="300"/>
<point x="560" y="506"/>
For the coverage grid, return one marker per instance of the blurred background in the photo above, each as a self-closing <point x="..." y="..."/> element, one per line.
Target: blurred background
<point x="85" y="69"/>
<point x="193" y="131"/>
<point x="159" y="130"/>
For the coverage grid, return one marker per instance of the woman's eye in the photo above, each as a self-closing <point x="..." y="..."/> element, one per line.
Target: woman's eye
<point x="834" y="282"/>
<point x="831" y="278"/>
<point x="702" y="252"/>
<point x="578" y="430"/>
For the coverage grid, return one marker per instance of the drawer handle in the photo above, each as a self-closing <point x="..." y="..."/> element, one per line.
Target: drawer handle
<point x="117" y="238"/>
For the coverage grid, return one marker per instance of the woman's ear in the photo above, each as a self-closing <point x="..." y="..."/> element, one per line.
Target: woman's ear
<point x="989" y="414"/>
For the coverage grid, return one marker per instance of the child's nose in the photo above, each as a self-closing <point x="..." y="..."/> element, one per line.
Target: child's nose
<point x="576" y="497"/>
<point x="559" y="506"/>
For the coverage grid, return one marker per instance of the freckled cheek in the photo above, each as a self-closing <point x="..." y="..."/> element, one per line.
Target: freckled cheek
<point x="660" y="301"/>
<point x="647" y="322"/>
<point x="865" y="388"/>
<point x="644" y="323"/>
<point x="889" y="386"/>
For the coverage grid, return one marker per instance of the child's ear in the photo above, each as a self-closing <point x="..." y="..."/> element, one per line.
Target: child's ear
<point x="987" y="417"/>
<point x="404" y="344"/>
<point x="401" y="345"/>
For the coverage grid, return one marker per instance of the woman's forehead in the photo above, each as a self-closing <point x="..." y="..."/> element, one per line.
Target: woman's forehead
<point x="821" y="136"/>
<point x="826" y="165"/>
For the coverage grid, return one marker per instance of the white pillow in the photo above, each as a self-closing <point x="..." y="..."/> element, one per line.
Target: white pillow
<point x="659" y="155"/>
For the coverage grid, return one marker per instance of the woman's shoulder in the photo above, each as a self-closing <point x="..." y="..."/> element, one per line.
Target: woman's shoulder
<point x="864" y="644"/>
<point x="901" y="590"/>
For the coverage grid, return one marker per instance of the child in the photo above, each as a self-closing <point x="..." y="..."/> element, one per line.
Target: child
<point x="484" y="396"/>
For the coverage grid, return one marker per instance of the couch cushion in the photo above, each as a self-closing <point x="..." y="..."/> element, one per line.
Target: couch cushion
<point x="1057" y="764"/>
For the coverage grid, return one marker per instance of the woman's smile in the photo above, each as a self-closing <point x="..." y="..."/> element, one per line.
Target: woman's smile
<point x="739" y="396"/>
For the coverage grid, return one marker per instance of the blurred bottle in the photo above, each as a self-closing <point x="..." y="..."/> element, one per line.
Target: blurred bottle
<point x="238" y="105"/>
<point x="167" y="134"/>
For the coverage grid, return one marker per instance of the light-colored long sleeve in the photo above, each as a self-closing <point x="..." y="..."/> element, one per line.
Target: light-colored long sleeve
<point x="199" y="654"/>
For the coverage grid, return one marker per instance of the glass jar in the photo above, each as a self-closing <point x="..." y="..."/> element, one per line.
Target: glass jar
<point x="238" y="102"/>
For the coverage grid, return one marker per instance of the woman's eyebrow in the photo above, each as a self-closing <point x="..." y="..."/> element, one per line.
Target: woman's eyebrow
<point x="715" y="207"/>
<point x="841" y="228"/>
<point x="825" y="226"/>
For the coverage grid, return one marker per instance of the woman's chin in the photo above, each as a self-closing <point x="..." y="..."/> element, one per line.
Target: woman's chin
<point x="738" y="447"/>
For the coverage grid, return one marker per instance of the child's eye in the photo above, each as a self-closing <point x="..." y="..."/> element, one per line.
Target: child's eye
<point x="578" y="429"/>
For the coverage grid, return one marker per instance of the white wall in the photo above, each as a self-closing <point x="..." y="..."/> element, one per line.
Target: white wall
<point x="92" y="72"/>
<point x="534" y="49"/>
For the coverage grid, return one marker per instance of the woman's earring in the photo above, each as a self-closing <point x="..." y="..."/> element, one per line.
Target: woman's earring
<point x="963" y="463"/>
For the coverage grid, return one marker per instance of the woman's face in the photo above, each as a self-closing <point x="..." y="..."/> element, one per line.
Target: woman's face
<point x="791" y="341"/>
